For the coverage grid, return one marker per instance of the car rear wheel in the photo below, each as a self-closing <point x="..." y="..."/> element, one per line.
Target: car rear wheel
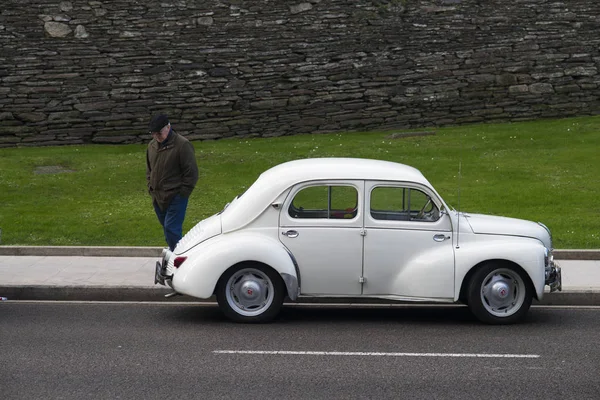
<point x="499" y="294"/>
<point x="250" y="293"/>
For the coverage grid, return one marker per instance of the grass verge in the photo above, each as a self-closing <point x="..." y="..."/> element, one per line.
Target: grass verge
<point x="539" y="170"/>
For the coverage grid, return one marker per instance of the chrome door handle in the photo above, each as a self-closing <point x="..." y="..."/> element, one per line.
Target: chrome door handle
<point x="290" y="234"/>
<point x="440" y="237"/>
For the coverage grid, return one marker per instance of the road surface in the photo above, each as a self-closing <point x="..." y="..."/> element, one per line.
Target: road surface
<point x="71" y="350"/>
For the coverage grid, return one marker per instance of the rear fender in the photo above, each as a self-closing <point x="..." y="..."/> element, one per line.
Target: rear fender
<point x="205" y="263"/>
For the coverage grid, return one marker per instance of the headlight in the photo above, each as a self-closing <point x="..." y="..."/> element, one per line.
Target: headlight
<point x="548" y="257"/>
<point x="549" y="233"/>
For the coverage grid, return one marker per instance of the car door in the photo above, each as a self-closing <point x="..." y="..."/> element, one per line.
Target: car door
<point x="408" y="242"/>
<point x="321" y="223"/>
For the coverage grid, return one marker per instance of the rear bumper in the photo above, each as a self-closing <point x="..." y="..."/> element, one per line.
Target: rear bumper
<point x="553" y="276"/>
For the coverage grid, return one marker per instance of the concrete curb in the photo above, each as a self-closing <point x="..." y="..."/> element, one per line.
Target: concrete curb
<point x="568" y="254"/>
<point x="87" y="293"/>
<point x="90" y="251"/>
<point x="156" y="294"/>
<point x="121" y="251"/>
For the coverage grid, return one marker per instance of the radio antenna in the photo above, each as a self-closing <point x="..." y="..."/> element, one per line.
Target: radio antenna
<point x="458" y="205"/>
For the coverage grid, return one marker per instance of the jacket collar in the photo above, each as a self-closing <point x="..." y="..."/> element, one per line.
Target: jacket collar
<point x="166" y="143"/>
<point x="168" y="140"/>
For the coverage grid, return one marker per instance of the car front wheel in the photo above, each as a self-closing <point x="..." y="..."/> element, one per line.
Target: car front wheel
<point x="499" y="294"/>
<point x="250" y="293"/>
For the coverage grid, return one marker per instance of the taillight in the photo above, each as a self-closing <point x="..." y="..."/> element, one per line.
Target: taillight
<point x="178" y="261"/>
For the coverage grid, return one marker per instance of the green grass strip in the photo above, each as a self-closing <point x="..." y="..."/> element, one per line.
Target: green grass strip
<point x="546" y="170"/>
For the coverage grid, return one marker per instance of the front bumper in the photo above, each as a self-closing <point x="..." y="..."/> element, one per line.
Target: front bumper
<point x="553" y="276"/>
<point x="161" y="274"/>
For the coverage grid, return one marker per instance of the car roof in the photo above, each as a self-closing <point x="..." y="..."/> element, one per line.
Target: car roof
<point x="274" y="181"/>
<point x="296" y="171"/>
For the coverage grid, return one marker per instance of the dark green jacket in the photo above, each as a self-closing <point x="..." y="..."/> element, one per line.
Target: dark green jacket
<point x="171" y="169"/>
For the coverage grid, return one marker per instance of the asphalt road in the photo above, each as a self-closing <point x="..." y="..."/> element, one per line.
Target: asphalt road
<point x="171" y="350"/>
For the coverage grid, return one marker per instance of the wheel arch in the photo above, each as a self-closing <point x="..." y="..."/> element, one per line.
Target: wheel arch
<point x="501" y="262"/>
<point x="289" y="281"/>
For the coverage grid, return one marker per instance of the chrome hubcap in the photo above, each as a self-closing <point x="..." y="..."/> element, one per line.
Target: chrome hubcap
<point x="502" y="292"/>
<point x="249" y="292"/>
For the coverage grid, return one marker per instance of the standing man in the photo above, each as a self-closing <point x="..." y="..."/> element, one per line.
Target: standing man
<point x="172" y="173"/>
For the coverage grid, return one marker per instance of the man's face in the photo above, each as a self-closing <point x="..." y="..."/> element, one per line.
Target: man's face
<point x="161" y="135"/>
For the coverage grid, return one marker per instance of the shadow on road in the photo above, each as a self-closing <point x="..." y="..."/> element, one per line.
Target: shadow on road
<point x="427" y="314"/>
<point x="455" y="315"/>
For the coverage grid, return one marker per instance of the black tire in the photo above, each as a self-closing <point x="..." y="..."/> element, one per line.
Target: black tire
<point x="250" y="293"/>
<point x="499" y="294"/>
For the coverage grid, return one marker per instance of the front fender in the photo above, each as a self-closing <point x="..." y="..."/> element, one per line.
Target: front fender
<point x="525" y="252"/>
<point x="205" y="263"/>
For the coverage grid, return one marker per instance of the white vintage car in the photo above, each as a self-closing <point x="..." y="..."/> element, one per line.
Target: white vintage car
<point x="358" y="228"/>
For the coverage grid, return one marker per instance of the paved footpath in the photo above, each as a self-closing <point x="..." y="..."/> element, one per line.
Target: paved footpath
<point x="131" y="278"/>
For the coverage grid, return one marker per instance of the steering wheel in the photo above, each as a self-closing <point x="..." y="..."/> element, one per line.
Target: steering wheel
<point x="422" y="212"/>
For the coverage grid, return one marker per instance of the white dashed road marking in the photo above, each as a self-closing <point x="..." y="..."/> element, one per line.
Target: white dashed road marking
<point x="373" y="354"/>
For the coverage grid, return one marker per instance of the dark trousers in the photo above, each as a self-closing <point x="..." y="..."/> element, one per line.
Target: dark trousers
<point x="171" y="219"/>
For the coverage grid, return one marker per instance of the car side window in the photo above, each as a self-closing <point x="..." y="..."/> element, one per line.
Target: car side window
<point x="325" y="201"/>
<point x="402" y="204"/>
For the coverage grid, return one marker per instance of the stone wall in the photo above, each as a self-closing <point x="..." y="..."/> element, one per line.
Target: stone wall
<point x="96" y="71"/>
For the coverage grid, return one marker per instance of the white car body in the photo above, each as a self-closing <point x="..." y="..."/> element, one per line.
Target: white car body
<point x="366" y="252"/>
